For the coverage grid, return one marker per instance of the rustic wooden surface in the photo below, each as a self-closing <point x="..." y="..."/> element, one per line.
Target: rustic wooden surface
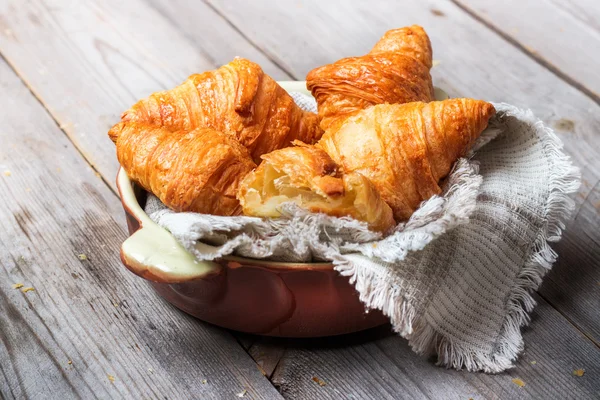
<point x="561" y="39"/>
<point x="69" y="68"/>
<point x="87" y="318"/>
<point x="377" y="365"/>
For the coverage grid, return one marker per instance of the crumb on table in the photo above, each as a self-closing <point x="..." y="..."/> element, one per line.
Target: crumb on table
<point x="518" y="382"/>
<point x="319" y="381"/>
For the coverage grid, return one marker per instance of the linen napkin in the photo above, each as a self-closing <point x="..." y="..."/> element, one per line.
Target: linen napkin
<point x="455" y="279"/>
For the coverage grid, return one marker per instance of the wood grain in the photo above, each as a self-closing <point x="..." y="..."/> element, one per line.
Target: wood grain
<point x="558" y="34"/>
<point x="89" y="329"/>
<point x="89" y="61"/>
<point x="575" y="292"/>
<point x="214" y="36"/>
<point x="378" y="365"/>
<point x="588" y="12"/>
<point x="475" y="62"/>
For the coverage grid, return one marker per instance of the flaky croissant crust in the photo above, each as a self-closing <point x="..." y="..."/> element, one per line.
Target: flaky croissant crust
<point x="396" y="70"/>
<point x="239" y="99"/>
<point x="197" y="171"/>
<point x="406" y="149"/>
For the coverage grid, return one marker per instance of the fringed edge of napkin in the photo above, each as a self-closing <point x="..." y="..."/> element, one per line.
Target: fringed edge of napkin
<point x="378" y="288"/>
<point x="564" y="181"/>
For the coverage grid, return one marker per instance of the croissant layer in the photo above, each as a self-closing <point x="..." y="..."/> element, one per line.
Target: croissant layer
<point x="239" y="99"/>
<point x="198" y="171"/>
<point x="406" y="149"/>
<point x="307" y="176"/>
<point x="396" y="70"/>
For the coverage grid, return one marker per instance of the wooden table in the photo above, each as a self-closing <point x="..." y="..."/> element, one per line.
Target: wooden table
<point x="91" y="329"/>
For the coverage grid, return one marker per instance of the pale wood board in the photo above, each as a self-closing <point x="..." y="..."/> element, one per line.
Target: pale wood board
<point x="93" y="312"/>
<point x="474" y="62"/>
<point x="576" y="291"/>
<point x="587" y="11"/>
<point x="214" y="36"/>
<point x="553" y="32"/>
<point x="88" y="62"/>
<point x="378" y="365"/>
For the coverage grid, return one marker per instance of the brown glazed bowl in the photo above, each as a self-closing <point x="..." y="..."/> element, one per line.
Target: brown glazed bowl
<point x="248" y="295"/>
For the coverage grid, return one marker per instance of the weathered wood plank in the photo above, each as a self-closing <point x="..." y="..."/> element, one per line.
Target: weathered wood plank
<point x="576" y="291"/>
<point x="378" y="365"/>
<point x="89" y="61"/>
<point x="587" y="12"/>
<point x="89" y="320"/>
<point x="475" y="62"/>
<point x="552" y="32"/>
<point x="214" y="36"/>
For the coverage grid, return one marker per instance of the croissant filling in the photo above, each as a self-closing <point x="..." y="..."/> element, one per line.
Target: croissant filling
<point x="265" y="196"/>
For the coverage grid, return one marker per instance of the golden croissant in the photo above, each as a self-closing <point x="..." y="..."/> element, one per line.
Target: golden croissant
<point x="198" y="171"/>
<point x="238" y="98"/>
<point x="406" y="149"/>
<point x="396" y="70"/>
<point x="307" y="176"/>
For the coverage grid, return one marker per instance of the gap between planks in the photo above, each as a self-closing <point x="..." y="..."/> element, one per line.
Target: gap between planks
<point x="533" y="55"/>
<point x="584" y="334"/>
<point x="274" y="60"/>
<point x="58" y="124"/>
<point x="87" y="159"/>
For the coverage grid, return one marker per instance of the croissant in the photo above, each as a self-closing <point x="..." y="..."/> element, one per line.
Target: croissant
<point x="238" y="98"/>
<point x="406" y="149"/>
<point x="307" y="176"/>
<point x="396" y="70"/>
<point x="199" y="170"/>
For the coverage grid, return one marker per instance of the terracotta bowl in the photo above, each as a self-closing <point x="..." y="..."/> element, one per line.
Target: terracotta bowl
<point x="261" y="297"/>
<point x="248" y="295"/>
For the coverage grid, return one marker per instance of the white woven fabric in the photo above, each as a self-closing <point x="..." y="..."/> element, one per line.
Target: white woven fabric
<point x="455" y="279"/>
